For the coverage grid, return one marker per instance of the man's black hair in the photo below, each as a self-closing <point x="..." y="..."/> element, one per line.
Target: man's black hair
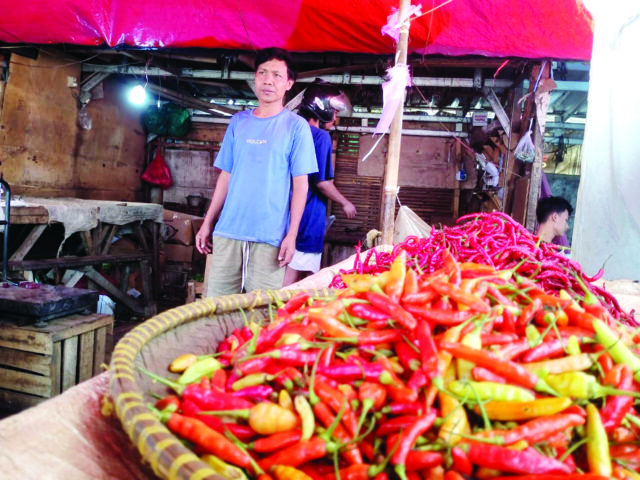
<point x="549" y="205"/>
<point x="274" y="53"/>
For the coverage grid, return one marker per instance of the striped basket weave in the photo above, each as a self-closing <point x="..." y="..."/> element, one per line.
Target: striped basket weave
<point x="193" y="328"/>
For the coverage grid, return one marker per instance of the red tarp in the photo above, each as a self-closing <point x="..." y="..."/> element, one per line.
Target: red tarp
<point x="497" y="28"/>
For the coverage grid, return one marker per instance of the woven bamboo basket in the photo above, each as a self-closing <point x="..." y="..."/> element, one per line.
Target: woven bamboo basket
<point x="193" y="328"/>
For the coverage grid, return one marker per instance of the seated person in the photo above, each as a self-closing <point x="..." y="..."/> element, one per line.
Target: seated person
<point x="553" y="217"/>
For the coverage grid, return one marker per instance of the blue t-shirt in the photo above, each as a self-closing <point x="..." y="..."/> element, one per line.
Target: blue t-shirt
<point x="262" y="154"/>
<point x="311" y="232"/>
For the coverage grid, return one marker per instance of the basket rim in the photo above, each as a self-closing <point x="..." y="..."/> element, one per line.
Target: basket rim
<point x="139" y="424"/>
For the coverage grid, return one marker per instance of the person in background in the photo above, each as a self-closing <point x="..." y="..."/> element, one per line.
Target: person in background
<point x="553" y="217"/>
<point x="320" y="104"/>
<point x="265" y="158"/>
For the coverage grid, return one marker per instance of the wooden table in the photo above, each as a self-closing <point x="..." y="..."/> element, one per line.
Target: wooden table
<point x="96" y="243"/>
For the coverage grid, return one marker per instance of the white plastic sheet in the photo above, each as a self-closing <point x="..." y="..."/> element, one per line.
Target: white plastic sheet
<point x="607" y="225"/>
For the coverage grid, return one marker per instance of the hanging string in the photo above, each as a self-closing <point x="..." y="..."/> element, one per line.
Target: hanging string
<point x="246" y="30"/>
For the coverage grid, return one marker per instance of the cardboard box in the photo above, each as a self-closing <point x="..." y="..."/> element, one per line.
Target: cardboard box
<point x="180" y="228"/>
<point x="182" y="253"/>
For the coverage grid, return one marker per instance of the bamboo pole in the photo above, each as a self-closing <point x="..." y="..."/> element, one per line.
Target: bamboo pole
<point x="395" y="137"/>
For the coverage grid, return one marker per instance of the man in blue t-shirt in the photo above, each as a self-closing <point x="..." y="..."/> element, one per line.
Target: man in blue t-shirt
<point x="265" y="158"/>
<point x="319" y="106"/>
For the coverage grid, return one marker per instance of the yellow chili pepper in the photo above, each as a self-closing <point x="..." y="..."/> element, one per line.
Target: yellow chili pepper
<point x="181" y="363"/>
<point x="455" y="416"/>
<point x="507" y="411"/>
<point x="306" y="416"/>
<point x="224" y="469"/>
<point x="490" y="391"/>
<point x="571" y="363"/>
<point x="598" y="456"/>
<point x="284" y="400"/>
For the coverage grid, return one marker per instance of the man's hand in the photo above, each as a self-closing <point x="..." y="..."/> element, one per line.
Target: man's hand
<point x="287" y="249"/>
<point x="204" y="243"/>
<point x="349" y="209"/>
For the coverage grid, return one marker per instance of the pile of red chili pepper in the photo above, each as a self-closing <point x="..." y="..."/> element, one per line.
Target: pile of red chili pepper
<point x="493" y="239"/>
<point x="465" y="372"/>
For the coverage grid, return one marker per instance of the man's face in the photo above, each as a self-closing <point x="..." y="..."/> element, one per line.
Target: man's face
<point x="561" y="223"/>
<point x="272" y="81"/>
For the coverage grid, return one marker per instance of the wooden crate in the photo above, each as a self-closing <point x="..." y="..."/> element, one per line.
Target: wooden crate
<point x="38" y="363"/>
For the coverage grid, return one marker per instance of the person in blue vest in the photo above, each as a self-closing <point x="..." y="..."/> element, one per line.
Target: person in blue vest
<point x="265" y="159"/>
<point x="320" y="104"/>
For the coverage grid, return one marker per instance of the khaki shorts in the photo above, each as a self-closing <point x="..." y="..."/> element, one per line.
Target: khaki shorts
<point x="238" y="265"/>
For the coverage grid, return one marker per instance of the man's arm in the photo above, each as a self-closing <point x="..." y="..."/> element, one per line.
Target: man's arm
<point x="329" y="190"/>
<point x="203" y="237"/>
<point x="299" y="188"/>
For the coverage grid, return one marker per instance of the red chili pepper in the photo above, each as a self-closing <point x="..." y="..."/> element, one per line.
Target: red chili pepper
<point x="461" y="462"/>
<point x="396" y="388"/>
<point x="419" y="298"/>
<point x="472" y="301"/>
<point x="508" y="460"/>
<point x="336" y="400"/>
<point x="617" y="407"/>
<point x="408" y="357"/>
<point x="529" y="311"/>
<point x="410" y="283"/>
<point x="331" y="326"/>
<point x="277" y="441"/>
<point x="244" y="433"/>
<point x="295" y="302"/>
<point x="419" y="460"/>
<point x="256" y="393"/>
<point x="570" y="476"/>
<point x="408" y="437"/>
<point x="480" y="374"/>
<point x="511" y="351"/>
<point x="451" y="475"/>
<point x="376" y="337"/>
<point x="452" y="267"/>
<point x="417" y="380"/>
<point x="508" y="321"/>
<point x="214" y="399"/>
<point x="352" y="454"/>
<point x="254" y="365"/>
<point x="367" y="312"/>
<point x="190" y="409"/>
<point x="165" y="402"/>
<point x="297" y="454"/>
<point x="428" y="349"/>
<point x="208" y="439"/>
<point x="550" y="349"/>
<point x="538" y="429"/>
<point x="510" y="370"/>
<point x="498" y="338"/>
<point x="404" y="408"/>
<point x="439" y="316"/>
<point x="393" y="309"/>
<point x="269" y="336"/>
<point x="219" y="379"/>
<point x="326" y="357"/>
<point x="604" y="359"/>
<point x="348" y="372"/>
<point x="352" y="472"/>
<point x="311" y="470"/>
<point x="376" y="392"/>
<point x="395" y="424"/>
<point x="499" y="297"/>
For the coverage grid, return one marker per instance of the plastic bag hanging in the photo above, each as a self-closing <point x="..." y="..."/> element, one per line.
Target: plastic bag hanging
<point x="525" y="150"/>
<point x="157" y="173"/>
<point x="392" y="95"/>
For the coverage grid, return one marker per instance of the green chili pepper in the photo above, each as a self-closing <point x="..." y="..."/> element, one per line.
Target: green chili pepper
<point x="202" y="368"/>
<point x="598" y="456"/>
<point x="618" y="350"/>
<point x="491" y="391"/>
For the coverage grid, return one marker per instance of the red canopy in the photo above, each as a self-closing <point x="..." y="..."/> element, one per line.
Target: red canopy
<point x="497" y="28"/>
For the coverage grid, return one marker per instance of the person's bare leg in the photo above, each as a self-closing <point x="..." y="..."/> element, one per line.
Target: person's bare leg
<point x="292" y="276"/>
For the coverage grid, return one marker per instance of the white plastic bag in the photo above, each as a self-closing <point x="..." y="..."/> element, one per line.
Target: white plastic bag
<point x="525" y="150"/>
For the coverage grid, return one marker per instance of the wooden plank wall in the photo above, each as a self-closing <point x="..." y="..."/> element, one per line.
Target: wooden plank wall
<point x="43" y="150"/>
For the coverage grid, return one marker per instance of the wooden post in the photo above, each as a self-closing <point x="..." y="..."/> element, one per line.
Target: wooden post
<point x="395" y="137"/>
<point x="536" y="168"/>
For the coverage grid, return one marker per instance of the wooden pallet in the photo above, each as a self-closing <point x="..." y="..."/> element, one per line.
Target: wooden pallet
<point x="39" y="363"/>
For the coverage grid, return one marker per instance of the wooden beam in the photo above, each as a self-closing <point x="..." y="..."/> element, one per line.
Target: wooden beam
<point x="70" y="262"/>
<point x="493" y="100"/>
<point x="191" y="101"/>
<point x="112" y="290"/>
<point x="390" y="189"/>
<point x="28" y="242"/>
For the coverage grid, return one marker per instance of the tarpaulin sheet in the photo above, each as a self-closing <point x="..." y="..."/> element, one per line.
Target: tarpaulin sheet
<point x="606" y="231"/>
<point x="497" y="28"/>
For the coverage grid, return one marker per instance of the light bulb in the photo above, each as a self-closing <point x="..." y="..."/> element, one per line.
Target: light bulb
<point x="138" y="95"/>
